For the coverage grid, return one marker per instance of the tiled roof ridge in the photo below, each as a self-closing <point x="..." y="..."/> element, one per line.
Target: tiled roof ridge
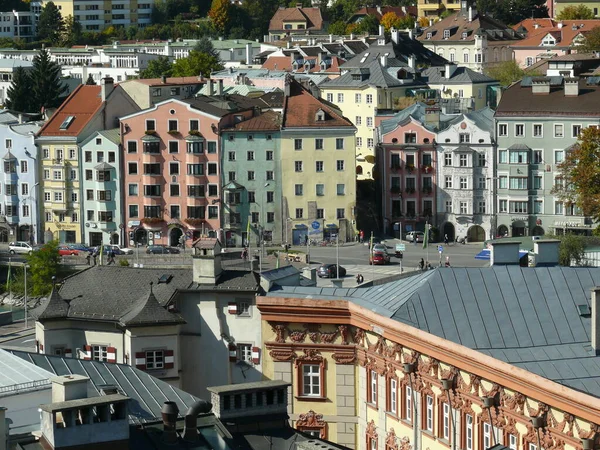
<point x="60" y="108"/>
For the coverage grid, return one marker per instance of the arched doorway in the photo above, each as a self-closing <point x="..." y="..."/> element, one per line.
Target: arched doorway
<point x="476" y="234"/>
<point x="502" y="231"/>
<point x="174" y="236"/>
<point x="537" y="231"/>
<point x="114" y="238"/>
<point x="450" y="231"/>
<point x="140" y="236"/>
<point x="24" y="233"/>
<point x="518" y="228"/>
<point x="3" y="235"/>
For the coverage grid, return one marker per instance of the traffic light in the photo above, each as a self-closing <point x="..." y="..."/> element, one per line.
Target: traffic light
<point x="401" y="255"/>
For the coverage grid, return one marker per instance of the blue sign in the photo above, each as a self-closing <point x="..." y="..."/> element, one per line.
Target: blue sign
<point x="316" y="225"/>
<point x="440" y="248"/>
<point x="188" y="235"/>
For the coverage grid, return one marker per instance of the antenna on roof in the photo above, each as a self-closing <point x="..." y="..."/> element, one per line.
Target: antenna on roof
<point x="151" y="283"/>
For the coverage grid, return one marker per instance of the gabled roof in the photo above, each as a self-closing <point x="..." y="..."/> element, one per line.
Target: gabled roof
<point x="148" y="311"/>
<point x="285" y="63"/>
<point x="311" y="16"/>
<point x="379" y="12"/>
<point x="18" y="376"/>
<point x="267" y="121"/>
<point x="417" y="112"/>
<point x="461" y="75"/>
<point x="301" y="107"/>
<point x="374" y="74"/>
<point x="55" y="307"/>
<point x="527" y="317"/>
<point x="564" y="31"/>
<point x="75" y="112"/>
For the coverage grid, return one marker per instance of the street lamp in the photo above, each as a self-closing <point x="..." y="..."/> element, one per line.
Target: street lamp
<point x="493" y="217"/>
<point x="262" y="228"/>
<point x="289" y="219"/>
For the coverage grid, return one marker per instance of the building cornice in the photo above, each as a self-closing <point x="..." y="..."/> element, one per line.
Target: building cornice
<point x="279" y="309"/>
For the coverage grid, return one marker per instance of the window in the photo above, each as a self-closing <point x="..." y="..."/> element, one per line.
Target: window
<point x="250" y="175"/>
<point x="174" y="192"/>
<point x="23" y="166"/>
<point x="213" y="212"/>
<point x="298" y="166"/>
<point x="58" y="196"/>
<point x="297" y="144"/>
<point x="173" y="168"/>
<point x="231" y="156"/>
<point x="559" y="156"/>
<point x="320" y="190"/>
<point x="463" y="182"/>
<point x="372" y="394"/>
<point x="502" y="129"/>
<point x="270" y="175"/>
<point x="339" y="143"/>
<point x="100" y="352"/>
<point x="340" y="213"/>
<point x="448" y="182"/>
<point x="212" y="168"/>
<point x="519" y="130"/>
<point x="445" y="421"/>
<point x="558" y="208"/>
<point x="299" y="213"/>
<point x="481" y="207"/>
<point x="104" y="196"/>
<point x="370" y="142"/>
<point x="464" y="138"/>
<point x="173" y="126"/>
<point x="502" y="156"/>
<point x="231" y="176"/>
<point x="487" y="436"/>
<point x="341" y="189"/>
<point x="133" y="190"/>
<point x="464" y="208"/>
<point x="358" y="121"/>
<point x="518" y="207"/>
<point x="194" y="125"/>
<point x="132" y="168"/>
<point x="503" y="205"/>
<point x="429" y="413"/>
<point x="270" y="196"/>
<point x="410" y="138"/>
<point x="57" y="174"/>
<point x="269" y="155"/>
<point x="25" y="189"/>
<point x="538" y="207"/>
<point x="46" y="153"/>
<point x="446" y="34"/>
<point x="195" y="190"/>
<point x="357" y="99"/>
<point x="329" y="96"/>
<point x="408" y="404"/>
<point x="311" y="380"/>
<point x="576" y="131"/>
<point x="448" y="206"/>
<point x="195" y="169"/>
<point x="537" y="182"/>
<point x="538" y="130"/>
<point x="518" y="183"/>
<point x="319" y="144"/>
<point x="393" y="396"/>
<point x="340" y="165"/>
<point x="512" y="442"/>
<point x="211" y="147"/>
<point x="537" y="157"/>
<point x="518" y="157"/>
<point x="100" y="157"/>
<point x="340" y="98"/>
<point x="447" y="159"/>
<point x="245" y="352"/>
<point x="465" y="58"/>
<point x="319" y="166"/>
<point x="150" y="125"/>
<point x="320" y="213"/>
<point x="174" y="147"/>
<point x="250" y="156"/>
<point x="155" y="359"/>
<point x="131" y="147"/>
<point x="370" y="122"/>
<point x="298" y="189"/>
<point x="559" y="130"/>
<point x="469" y="432"/>
<point x="463" y="160"/>
<point x="481" y="182"/>
<point x="481" y="159"/>
<point x="369" y="98"/>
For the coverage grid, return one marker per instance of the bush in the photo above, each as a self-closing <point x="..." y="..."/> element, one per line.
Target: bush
<point x="124" y="263"/>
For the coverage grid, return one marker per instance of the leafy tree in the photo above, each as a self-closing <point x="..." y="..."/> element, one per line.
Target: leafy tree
<point x="19" y="92"/>
<point x="50" y="24"/>
<point x="580" y="173"/>
<point x="204" y="45"/>
<point x="195" y="64"/>
<point x="591" y="42"/>
<point x="575" y="12"/>
<point x="423" y="22"/>
<point x="570" y="249"/>
<point x="47" y="90"/>
<point x="368" y="24"/>
<point x="337" y="28"/>
<point x="506" y="72"/>
<point x="43" y="265"/>
<point x="157" y="68"/>
<point x="390" y="20"/>
<point x="90" y="81"/>
<point x="445" y="13"/>
<point x="72" y="32"/>
<point x="219" y="14"/>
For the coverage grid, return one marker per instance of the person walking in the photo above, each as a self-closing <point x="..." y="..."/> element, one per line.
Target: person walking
<point x="111" y="257"/>
<point x="446" y="239"/>
<point x="447" y="261"/>
<point x="414" y="238"/>
<point x="422" y="264"/>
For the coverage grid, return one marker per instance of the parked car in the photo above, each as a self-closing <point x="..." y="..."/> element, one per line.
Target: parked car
<point x="79" y="247"/>
<point x="66" y="250"/>
<point x="123" y="250"/>
<point x="20" y="247"/>
<point x="161" y="250"/>
<point x="419" y="234"/>
<point x="330" y="271"/>
<point x="106" y="248"/>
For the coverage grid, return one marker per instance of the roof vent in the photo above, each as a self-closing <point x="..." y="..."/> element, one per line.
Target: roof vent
<point x="108" y="389"/>
<point x="584" y="310"/>
<point x="165" y="279"/>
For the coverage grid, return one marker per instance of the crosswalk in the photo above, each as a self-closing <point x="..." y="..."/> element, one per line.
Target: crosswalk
<point x="368" y="272"/>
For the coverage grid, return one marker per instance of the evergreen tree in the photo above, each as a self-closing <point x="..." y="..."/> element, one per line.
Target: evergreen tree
<point x="47" y="89"/>
<point x="73" y="32"/>
<point x="204" y="45"/>
<point x="50" y="24"/>
<point x="157" y="68"/>
<point x="19" y="92"/>
<point x="90" y="81"/>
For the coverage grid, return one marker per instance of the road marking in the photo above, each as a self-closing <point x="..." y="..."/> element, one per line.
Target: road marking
<point x="28" y="340"/>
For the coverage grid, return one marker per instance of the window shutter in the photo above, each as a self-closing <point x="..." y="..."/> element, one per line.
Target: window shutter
<point x="41" y="348"/>
<point x="140" y="360"/>
<point x="87" y="352"/>
<point x="169" y="359"/>
<point x="68" y="353"/>
<point x="111" y="354"/>
<point x="255" y="355"/>
<point x="232" y="308"/>
<point x="232" y="353"/>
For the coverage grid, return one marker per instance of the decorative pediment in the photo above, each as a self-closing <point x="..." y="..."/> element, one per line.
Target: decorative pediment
<point x="371" y="430"/>
<point x="310" y="419"/>
<point x="311" y="355"/>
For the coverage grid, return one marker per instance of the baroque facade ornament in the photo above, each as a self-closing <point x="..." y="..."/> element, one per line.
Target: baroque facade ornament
<point x="344" y="358"/>
<point x="391" y="442"/>
<point x="282" y="355"/>
<point x="359" y="336"/>
<point x="310" y="419"/>
<point x="329" y="336"/>
<point x="311" y="355"/>
<point x="372" y="429"/>
<point x="279" y="330"/>
<point x="297" y="335"/>
<point x="343" y="329"/>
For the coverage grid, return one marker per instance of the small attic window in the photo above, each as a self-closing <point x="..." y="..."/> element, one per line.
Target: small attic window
<point x="356" y="77"/>
<point x="446" y="34"/>
<point x="429" y="35"/>
<point x="465" y="34"/>
<point x="584" y="310"/>
<point x="320" y="116"/>
<point x="165" y="279"/>
<point x="402" y="74"/>
<point x="67" y="122"/>
<point x="364" y="58"/>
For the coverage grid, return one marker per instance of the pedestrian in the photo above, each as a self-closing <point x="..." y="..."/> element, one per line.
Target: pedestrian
<point x="306" y="239"/>
<point x="446" y="239"/>
<point x="422" y="264"/>
<point x="95" y="255"/>
<point x="447" y="261"/>
<point x="414" y="239"/>
<point x="362" y="236"/>
<point x="429" y="267"/>
<point x="88" y="258"/>
<point x="359" y="279"/>
<point x="245" y="253"/>
<point x="111" y="257"/>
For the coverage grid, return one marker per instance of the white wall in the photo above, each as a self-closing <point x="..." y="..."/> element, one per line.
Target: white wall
<point x="23" y="409"/>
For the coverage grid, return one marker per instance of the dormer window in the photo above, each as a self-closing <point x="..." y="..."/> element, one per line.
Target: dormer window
<point x="320" y="116"/>
<point x="402" y="74"/>
<point x="429" y="35"/>
<point x="549" y="40"/>
<point x="446" y="34"/>
<point x="465" y="34"/>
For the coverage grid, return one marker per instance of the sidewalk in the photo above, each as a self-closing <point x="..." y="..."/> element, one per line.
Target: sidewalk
<point x="16" y="330"/>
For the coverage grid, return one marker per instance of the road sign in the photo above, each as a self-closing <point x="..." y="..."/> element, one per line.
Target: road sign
<point x="400" y="247"/>
<point x="440" y="248"/>
<point x="188" y="234"/>
<point x="315" y="225"/>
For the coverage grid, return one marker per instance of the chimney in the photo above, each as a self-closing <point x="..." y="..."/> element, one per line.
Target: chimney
<point x="169" y="414"/>
<point x="298" y="5"/>
<point x="411" y="34"/>
<point x="546" y="252"/>
<point x="470" y="14"/>
<point x="571" y="87"/>
<point x="504" y="253"/>
<point x="432" y="117"/>
<point x="107" y="86"/>
<point x="559" y="25"/>
<point x="395" y="35"/>
<point x="310" y="273"/>
<point x="220" y="88"/>
<point x="163" y="79"/>
<point x="380" y="13"/>
<point x="293" y="56"/>
<point x="249" y="53"/>
<point x="411" y="61"/>
<point x="331" y="38"/>
<point x="595" y="304"/>
<point x="450" y="69"/>
<point x="384" y="59"/>
<point x="3" y="429"/>
<point x="190" y="432"/>
<point x="322" y="57"/>
<point x="211" y="88"/>
<point x="381" y="30"/>
<point x="540" y="85"/>
<point x="69" y="387"/>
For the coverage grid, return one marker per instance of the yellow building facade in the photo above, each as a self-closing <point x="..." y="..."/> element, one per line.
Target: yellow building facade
<point x="368" y="382"/>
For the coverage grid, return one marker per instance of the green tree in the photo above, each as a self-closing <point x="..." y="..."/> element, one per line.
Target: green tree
<point x="50" y="24"/>
<point x="73" y="32"/>
<point x="390" y="20"/>
<point x="368" y="24"/>
<point x="580" y="174"/>
<point x="43" y="265"/>
<point x="204" y="45"/>
<point x="157" y="68"/>
<point x="506" y="72"/>
<point x="570" y="249"/>
<point x="337" y="28"/>
<point x="47" y="90"/>
<point x="591" y="42"/>
<point x="19" y="92"/>
<point x="195" y="64"/>
<point x="90" y="81"/>
<point x="575" y="12"/>
<point x="219" y="14"/>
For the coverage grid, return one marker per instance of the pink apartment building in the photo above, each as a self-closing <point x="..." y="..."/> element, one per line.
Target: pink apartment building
<point x="407" y="150"/>
<point x="171" y="169"/>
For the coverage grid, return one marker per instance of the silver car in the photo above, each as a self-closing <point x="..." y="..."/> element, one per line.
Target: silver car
<point x="20" y="247"/>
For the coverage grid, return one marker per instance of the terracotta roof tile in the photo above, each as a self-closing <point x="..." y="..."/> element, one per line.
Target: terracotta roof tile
<point x="400" y="11"/>
<point x="301" y="107"/>
<point x="312" y="16"/>
<point x="285" y="63"/>
<point x="82" y="105"/>
<point x="564" y="33"/>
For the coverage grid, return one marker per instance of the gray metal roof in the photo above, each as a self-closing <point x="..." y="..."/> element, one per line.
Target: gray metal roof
<point x="461" y="75"/>
<point x="417" y="111"/>
<point x="528" y="317"/>
<point x="18" y="376"/>
<point x="267" y="384"/>
<point x="146" y="392"/>
<point x="279" y="273"/>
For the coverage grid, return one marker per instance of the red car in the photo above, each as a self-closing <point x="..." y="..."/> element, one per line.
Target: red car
<point x="63" y="250"/>
<point x="379" y="258"/>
